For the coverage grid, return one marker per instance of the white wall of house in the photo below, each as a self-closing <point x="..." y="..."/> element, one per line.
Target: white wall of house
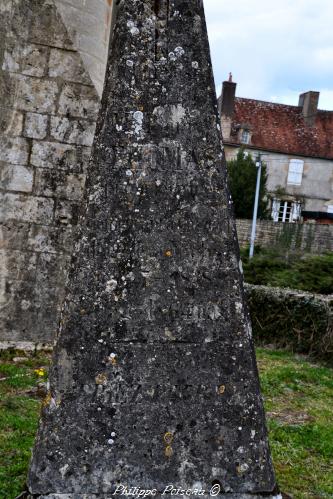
<point x="316" y="188"/>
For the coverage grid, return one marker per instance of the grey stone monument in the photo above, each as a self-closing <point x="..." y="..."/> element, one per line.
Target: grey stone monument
<point x="154" y="380"/>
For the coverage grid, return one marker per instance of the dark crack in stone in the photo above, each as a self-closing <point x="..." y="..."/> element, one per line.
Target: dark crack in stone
<point x="154" y="380"/>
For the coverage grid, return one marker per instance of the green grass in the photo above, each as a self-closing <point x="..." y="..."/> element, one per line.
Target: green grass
<point x="298" y="399"/>
<point x="272" y="268"/>
<point x="299" y="404"/>
<point x="19" y="411"/>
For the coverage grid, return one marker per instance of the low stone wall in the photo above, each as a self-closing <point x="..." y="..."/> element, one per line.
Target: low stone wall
<point x="299" y="321"/>
<point x="308" y="238"/>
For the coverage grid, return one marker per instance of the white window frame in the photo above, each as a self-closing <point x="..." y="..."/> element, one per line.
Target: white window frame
<point x="286" y="211"/>
<point x="245" y="136"/>
<point x="330" y="208"/>
<point x="295" y="172"/>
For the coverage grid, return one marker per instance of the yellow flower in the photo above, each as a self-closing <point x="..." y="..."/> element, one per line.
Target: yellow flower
<point x="40" y="372"/>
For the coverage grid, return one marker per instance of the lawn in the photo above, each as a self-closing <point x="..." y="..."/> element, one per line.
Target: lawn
<point x="298" y="398"/>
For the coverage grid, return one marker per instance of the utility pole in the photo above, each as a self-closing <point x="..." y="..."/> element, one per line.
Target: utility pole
<point x="256" y="204"/>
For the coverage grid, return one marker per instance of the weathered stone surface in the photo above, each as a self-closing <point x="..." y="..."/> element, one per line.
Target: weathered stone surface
<point x="78" y="101"/>
<point x="15" y="124"/>
<point x="14" y="150"/>
<point x="56" y="240"/>
<point x="35" y="125"/>
<point x="68" y="65"/>
<point x="26" y="301"/>
<point x="34" y="94"/>
<point x="66" y="213"/>
<point x="16" y="178"/>
<point x="72" y="131"/>
<point x="30" y="60"/>
<point x="55" y="155"/>
<point x="31" y="31"/>
<point x="15" y="263"/>
<point x="13" y="235"/>
<point x="154" y="378"/>
<point x="44" y="13"/>
<point x="60" y="184"/>
<point x="35" y="237"/>
<point x="26" y="209"/>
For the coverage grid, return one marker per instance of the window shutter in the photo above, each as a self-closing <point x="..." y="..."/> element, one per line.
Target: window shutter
<point x="275" y="209"/>
<point x="295" y="172"/>
<point x="296" y="212"/>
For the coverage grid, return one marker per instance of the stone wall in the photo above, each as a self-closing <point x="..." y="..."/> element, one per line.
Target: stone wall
<point x="308" y="238"/>
<point x="48" y="111"/>
<point x="88" y="24"/>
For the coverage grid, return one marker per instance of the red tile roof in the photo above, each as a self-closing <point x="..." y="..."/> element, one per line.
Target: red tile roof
<point x="282" y="128"/>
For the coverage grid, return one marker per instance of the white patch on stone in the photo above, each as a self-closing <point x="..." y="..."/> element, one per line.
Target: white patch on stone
<point x="129" y="63"/>
<point x="111" y="285"/>
<point x="215" y="313"/>
<point x="172" y="56"/>
<point x="63" y="470"/>
<point x="130" y="24"/>
<point x="195" y="65"/>
<point x="243" y="467"/>
<point x="241" y="267"/>
<point x="179" y="51"/>
<point x="177" y="114"/>
<point x="138" y="120"/>
<point x="134" y="31"/>
<point x="25" y="304"/>
<point x="239" y="307"/>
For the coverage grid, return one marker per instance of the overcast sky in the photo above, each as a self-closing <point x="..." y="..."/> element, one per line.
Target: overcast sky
<point x="275" y="50"/>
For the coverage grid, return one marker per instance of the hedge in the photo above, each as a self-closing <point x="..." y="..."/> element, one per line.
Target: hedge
<point x="296" y="320"/>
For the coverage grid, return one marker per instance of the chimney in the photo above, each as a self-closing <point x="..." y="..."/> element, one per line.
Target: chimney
<point x="227" y="102"/>
<point x="309" y="104"/>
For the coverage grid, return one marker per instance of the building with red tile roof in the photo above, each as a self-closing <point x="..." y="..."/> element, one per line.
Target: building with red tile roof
<point x="296" y="143"/>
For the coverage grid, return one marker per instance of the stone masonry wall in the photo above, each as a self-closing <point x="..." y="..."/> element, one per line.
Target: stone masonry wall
<point x="308" y="238"/>
<point x="48" y="111"/>
<point x="88" y="25"/>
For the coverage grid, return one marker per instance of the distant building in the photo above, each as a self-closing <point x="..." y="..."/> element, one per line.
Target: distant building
<point x="296" y="143"/>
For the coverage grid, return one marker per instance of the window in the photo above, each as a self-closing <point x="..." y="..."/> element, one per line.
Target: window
<point x="245" y="137"/>
<point x="295" y="172"/>
<point x="330" y="208"/>
<point x="286" y="211"/>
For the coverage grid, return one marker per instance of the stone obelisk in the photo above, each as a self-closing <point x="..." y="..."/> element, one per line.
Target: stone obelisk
<point x="154" y="380"/>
